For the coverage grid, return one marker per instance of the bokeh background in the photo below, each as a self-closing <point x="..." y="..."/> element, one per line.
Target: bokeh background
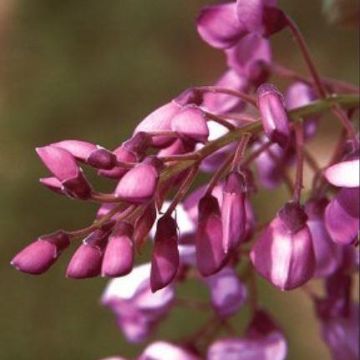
<point x="89" y="69"/>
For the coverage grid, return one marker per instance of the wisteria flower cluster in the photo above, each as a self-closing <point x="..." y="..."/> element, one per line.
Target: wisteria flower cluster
<point x="245" y="134"/>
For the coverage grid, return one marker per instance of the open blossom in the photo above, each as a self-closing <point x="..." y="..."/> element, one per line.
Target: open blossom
<point x="263" y="341"/>
<point x="136" y="308"/>
<point x="342" y="216"/>
<point x="162" y="350"/>
<point x="344" y="174"/>
<point x="284" y="253"/>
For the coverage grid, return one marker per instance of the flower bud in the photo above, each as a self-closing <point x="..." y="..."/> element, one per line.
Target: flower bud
<point x="89" y="153"/>
<point x="159" y="120"/>
<point x="210" y="255"/>
<point x="143" y="225"/>
<point x="119" y="253"/>
<point x="190" y="123"/>
<point x="284" y="253"/>
<point x="165" y="256"/>
<point x="64" y="167"/>
<point x="344" y="174"/>
<point x="37" y="257"/>
<point x="273" y="114"/>
<point x="86" y="262"/>
<point x="342" y="216"/>
<point x="228" y="293"/>
<point x="222" y="103"/>
<point x="139" y="184"/>
<point x="53" y="184"/>
<point x="218" y="25"/>
<point x="233" y="211"/>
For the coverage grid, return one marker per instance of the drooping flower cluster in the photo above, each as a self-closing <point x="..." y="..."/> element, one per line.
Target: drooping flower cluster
<point x="246" y="134"/>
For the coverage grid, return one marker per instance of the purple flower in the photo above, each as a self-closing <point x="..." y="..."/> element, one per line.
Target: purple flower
<point x="219" y="26"/>
<point x="161" y="350"/>
<point x="137" y="309"/>
<point x="342" y="216"/>
<point x="119" y="253"/>
<point x="131" y="151"/>
<point x="86" y="261"/>
<point x="284" y="253"/>
<point x="250" y="58"/>
<point x="89" y="153"/>
<point x="64" y="167"/>
<point x="165" y="256"/>
<point x="273" y="114"/>
<point x="190" y="123"/>
<point x="210" y="255"/>
<point x="222" y="103"/>
<point x="344" y="174"/>
<point x="328" y="255"/>
<point x="53" y="184"/>
<point x="228" y="293"/>
<point x="37" y="257"/>
<point x="143" y="224"/>
<point x="233" y="211"/>
<point x="133" y="188"/>
<point x="263" y="341"/>
<point x="300" y="94"/>
<point x="159" y="120"/>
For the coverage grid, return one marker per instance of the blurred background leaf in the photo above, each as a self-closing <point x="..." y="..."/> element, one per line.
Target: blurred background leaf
<point x="342" y="12"/>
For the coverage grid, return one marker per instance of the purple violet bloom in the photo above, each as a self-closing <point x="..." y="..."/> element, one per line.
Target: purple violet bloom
<point x="300" y="94"/>
<point x="223" y="103"/>
<point x="64" y="167"/>
<point x="284" y="253"/>
<point x="143" y="225"/>
<point x="165" y="256"/>
<point x="133" y="188"/>
<point x="87" y="259"/>
<point x="137" y="309"/>
<point x="228" y="293"/>
<point x="190" y="123"/>
<point x="328" y="254"/>
<point x="233" y="211"/>
<point x="161" y="350"/>
<point x="37" y="257"/>
<point x="273" y="114"/>
<point x="342" y="216"/>
<point x="159" y="120"/>
<point x="210" y="255"/>
<point x="344" y="174"/>
<point x="119" y="253"/>
<point x="263" y="341"/>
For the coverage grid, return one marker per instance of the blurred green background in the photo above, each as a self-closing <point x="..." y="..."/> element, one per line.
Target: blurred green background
<point x="91" y="70"/>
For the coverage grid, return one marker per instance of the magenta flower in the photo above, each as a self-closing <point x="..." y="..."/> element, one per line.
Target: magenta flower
<point x="342" y="216"/>
<point x="64" y="167"/>
<point x="273" y="114"/>
<point x="233" y="211"/>
<point x="190" y="123"/>
<point x="159" y="120"/>
<point x="222" y="103"/>
<point x="161" y="350"/>
<point x="228" y="293"/>
<point x="143" y="224"/>
<point x="210" y="255"/>
<point x="263" y="341"/>
<point x="165" y="256"/>
<point x="344" y="174"/>
<point x="284" y="253"/>
<point x="328" y="254"/>
<point x="133" y="188"/>
<point x="86" y="261"/>
<point x="137" y="309"/>
<point x="119" y="253"/>
<point x="37" y="257"/>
